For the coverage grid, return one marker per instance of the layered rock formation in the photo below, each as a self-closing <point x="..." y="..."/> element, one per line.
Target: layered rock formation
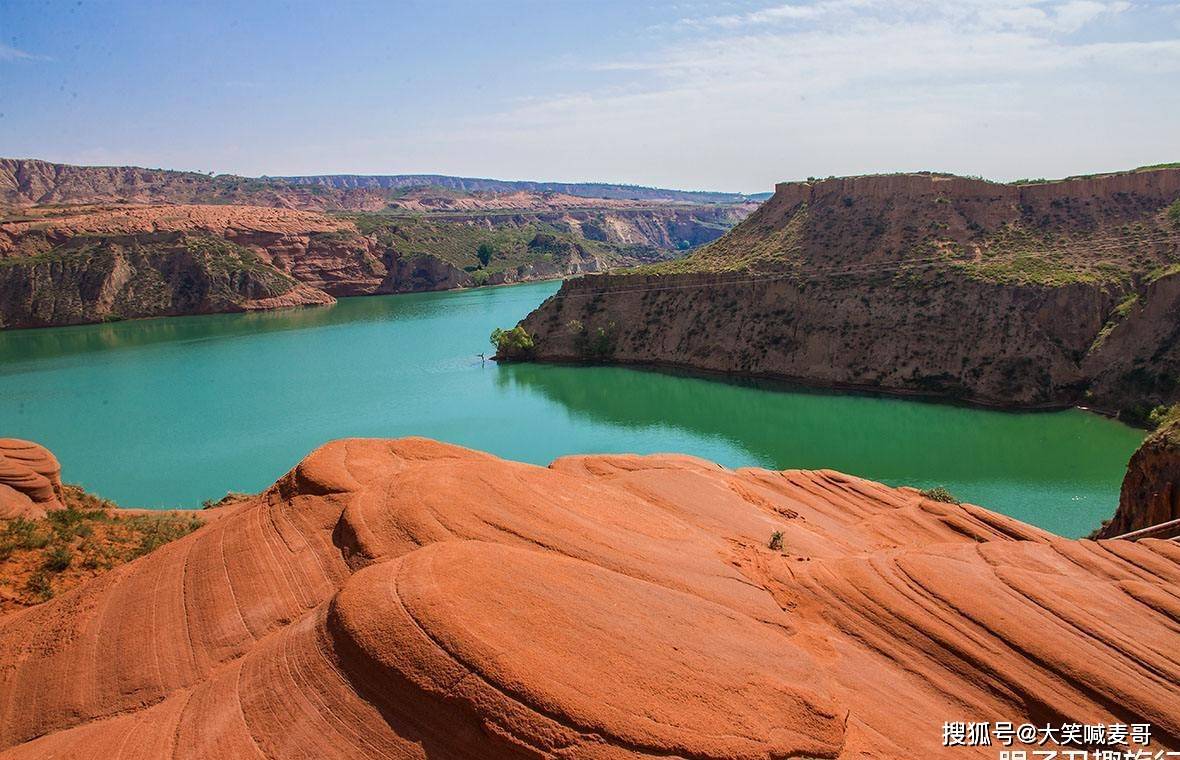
<point x="1038" y="295"/>
<point x="410" y="599"/>
<point x="1151" y="489"/>
<point x="32" y="182"/>
<point x="87" y="244"/>
<point x="30" y="479"/>
<point x="89" y="264"/>
<point x="594" y="190"/>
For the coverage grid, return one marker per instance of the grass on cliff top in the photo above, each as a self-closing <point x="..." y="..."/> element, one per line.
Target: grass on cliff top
<point x="1020" y="256"/>
<point x="1147" y="168"/>
<point x="1164" y="421"/>
<point x="48" y="556"/>
<point x="751" y="246"/>
<point x="1013" y="254"/>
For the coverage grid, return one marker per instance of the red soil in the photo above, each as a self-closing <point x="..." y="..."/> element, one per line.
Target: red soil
<point x="410" y="599"/>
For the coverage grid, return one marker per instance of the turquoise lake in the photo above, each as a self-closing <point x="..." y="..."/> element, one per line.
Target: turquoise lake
<point x="170" y="412"/>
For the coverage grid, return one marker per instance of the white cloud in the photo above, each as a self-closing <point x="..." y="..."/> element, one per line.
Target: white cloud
<point x="8" y="53"/>
<point x="1059" y="16"/>
<point x="993" y="87"/>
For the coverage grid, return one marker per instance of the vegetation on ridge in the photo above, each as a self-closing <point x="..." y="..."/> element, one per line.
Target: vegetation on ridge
<point x="44" y="557"/>
<point x="486" y="249"/>
<point x="940" y="494"/>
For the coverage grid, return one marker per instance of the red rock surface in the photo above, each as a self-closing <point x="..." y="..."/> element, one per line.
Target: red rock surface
<point x="410" y="599"/>
<point x="30" y="479"/>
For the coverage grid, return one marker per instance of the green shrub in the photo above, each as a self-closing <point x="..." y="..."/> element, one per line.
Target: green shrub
<point x="940" y="494"/>
<point x="776" y="541"/>
<point x="595" y="344"/>
<point x="58" y="558"/>
<point x="20" y="533"/>
<point x="1174" y="213"/>
<point x="484" y="253"/>
<point x="71" y="521"/>
<point x="513" y="344"/>
<point x="1163" y="415"/>
<point x="40" y="586"/>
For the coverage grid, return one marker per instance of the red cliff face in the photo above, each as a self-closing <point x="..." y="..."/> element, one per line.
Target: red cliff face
<point x="410" y="599"/>
<point x="1151" y="488"/>
<point x="1037" y="295"/>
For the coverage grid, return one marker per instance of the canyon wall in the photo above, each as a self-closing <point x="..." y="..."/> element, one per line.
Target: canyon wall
<point x="85" y="244"/>
<point x="89" y="264"/>
<point x="1018" y="296"/>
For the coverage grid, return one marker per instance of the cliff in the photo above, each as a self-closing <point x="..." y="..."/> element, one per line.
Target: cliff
<point x="1034" y="295"/>
<point x="1151" y="488"/>
<point x="93" y="263"/>
<point x="85" y="244"/>
<point x="413" y="599"/>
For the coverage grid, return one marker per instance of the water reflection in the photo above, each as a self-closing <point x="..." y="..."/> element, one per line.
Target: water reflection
<point x="1064" y="462"/>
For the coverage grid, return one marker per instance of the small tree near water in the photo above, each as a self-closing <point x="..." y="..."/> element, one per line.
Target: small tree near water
<point x="484" y="253"/>
<point x="513" y="344"/>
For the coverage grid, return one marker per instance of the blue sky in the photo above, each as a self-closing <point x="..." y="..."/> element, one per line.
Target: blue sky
<point x="720" y="95"/>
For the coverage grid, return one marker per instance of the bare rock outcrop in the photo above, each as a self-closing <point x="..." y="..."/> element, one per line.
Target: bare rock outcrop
<point x="411" y="599"/>
<point x="30" y="479"/>
<point x="1151" y="488"/>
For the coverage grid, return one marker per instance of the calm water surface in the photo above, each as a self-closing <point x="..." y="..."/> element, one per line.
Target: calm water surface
<point x="169" y="412"/>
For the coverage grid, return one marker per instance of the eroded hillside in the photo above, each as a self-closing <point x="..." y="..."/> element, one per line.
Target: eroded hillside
<point x="86" y="244"/>
<point x="1033" y="295"/>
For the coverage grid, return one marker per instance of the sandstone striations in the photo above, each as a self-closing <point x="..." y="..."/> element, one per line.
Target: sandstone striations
<point x="410" y="599"/>
<point x="30" y="479"/>
<point x="1024" y="295"/>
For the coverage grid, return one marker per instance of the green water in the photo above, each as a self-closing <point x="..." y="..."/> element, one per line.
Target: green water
<point x="169" y="412"/>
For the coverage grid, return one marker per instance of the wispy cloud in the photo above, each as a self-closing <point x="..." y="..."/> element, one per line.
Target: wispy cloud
<point x="998" y="87"/>
<point x="9" y="53"/>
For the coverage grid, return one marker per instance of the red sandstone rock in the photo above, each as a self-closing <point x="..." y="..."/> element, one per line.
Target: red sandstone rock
<point x="30" y="479"/>
<point x="410" y="599"/>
